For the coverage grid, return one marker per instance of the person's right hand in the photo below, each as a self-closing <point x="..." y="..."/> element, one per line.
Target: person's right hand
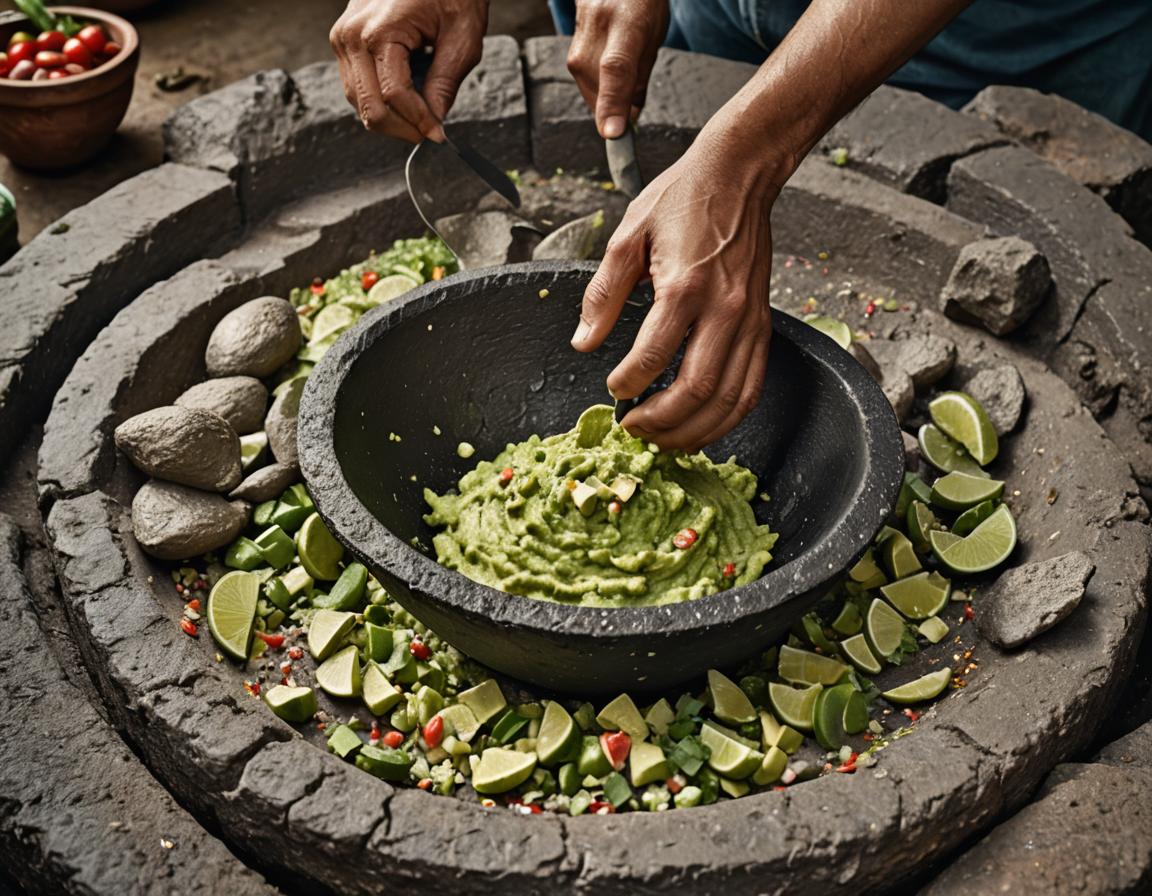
<point x="373" y="40"/>
<point x="612" y="54"/>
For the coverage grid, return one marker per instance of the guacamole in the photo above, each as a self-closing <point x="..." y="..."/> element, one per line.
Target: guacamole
<point x="596" y="517"/>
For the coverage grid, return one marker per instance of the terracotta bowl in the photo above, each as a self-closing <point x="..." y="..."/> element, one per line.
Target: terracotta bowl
<point x="48" y="125"/>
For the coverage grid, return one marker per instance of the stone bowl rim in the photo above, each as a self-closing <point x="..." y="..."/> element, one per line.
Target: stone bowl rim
<point x="367" y="537"/>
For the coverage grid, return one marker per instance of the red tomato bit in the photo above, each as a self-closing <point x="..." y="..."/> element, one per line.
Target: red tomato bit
<point x="273" y="641"/>
<point x="434" y="732"/>
<point x="730" y="571"/>
<point x="420" y="650"/>
<point x="189" y="628"/>
<point x="969" y="613"/>
<point x="393" y="739"/>
<point x="685" y="538"/>
<point x="369" y="279"/>
<point x="506" y="475"/>
<point x="317" y="287"/>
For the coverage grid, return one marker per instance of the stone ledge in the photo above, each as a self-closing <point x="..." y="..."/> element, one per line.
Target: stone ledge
<point x="80" y="814"/>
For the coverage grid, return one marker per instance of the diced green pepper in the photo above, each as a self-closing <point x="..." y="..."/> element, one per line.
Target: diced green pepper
<point x="243" y="554"/>
<point x="276" y="546"/>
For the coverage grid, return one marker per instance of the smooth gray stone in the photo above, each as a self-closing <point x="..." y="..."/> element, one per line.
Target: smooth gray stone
<point x="174" y="522"/>
<point x="189" y="446"/>
<point x="241" y="400"/>
<point x="255" y="340"/>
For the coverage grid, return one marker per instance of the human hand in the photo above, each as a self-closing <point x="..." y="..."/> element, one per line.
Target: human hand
<point x="612" y="54"/>
<point x="706" y="243"/>
<point x="373" y="40"/>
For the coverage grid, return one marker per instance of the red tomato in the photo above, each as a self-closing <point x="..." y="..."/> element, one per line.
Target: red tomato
<point x="51" y="40"/>
<point x="74" y="69"/>
<point x="41" y="74"/>
<point x="51" y="59"/>
<point x="111" y="49"/>
<point x="77" y="52"/>
<point x="92" y="36"/>
<point x="5" y="65"/>
<point x="25" y="50"/>
<point x="21" y="37"/>
<point x="57" y="73"/>
<point x="23" y="70"/>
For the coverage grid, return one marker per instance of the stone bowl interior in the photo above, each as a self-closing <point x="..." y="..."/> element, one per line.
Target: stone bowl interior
<point x="481" y="357"/>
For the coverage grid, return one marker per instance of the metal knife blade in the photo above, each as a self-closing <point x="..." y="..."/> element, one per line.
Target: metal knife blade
<point x="622" y="164"/>
<point x="489" y="173"/>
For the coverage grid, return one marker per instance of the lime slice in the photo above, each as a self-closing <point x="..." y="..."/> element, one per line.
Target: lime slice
<point x="390" y="287"/>
<point x="326" y="631"/>
<point x="920" y="596"/>
<point x="331" y="320"/>
<point x="828" y="719"/>
<point x="927" y="687"/>
<point x="942" y="540"/>
<point x="848" y="621"/>
<point x="380" y="695"/>
<point x="986" y="547"/>
<point x="729" y="703"/>
<point x="291" y="704"/>
<point x="934" y="629"/>
<point x="794" y="706"/>
<point x="499" y="770"/>
<point x="320" y="553"/>
<point x="731" y="755"/>
<point x="860" y="655"/>
<point x="836" y="330"/>
<point x="339" y="675"/>
<point x="899" y="556"/>
<point x="960" y="416"/>
<point x="945" y="454"/>
<point x="959" y="491"/>
<point x="559" y="736"/>
<point x="232" y="612"/>
<point x="973" y="517"/>
<point x="921" y="521"/>
<point x="884" y="628"/>
<point x="805" y="667"/>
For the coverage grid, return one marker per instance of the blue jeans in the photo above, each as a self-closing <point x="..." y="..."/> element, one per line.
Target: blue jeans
<point x="1097" y="53"/>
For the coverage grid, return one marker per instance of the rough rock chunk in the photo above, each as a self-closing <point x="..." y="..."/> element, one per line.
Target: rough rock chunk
<point x="280" y="424"/>
<point x="173" y="522"/>
<point x="900" y="392"/>
<point x="997" y="283"/>
<point x="575" y="241"/>
<point x="911" y="452"/>
<point x="241" y="400"/>
<point x="925" y="358"/>
<point x="1027" y="601"/>
<point x="488" y="238"/>
<point x="1000" y="390"/>
<point x="189" y="446"/>
<point x="254" y="340"/>
<point x="266" y="483"/>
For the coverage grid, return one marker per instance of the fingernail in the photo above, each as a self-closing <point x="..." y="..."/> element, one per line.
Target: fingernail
<point x="582" y="333"/>
<point x="436" y="134"/>
<point x="614" y="127"/>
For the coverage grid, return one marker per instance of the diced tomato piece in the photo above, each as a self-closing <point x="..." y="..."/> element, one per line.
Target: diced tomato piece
<point x="616" y="746"/>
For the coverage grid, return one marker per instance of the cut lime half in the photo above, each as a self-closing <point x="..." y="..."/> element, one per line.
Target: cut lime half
<point x="945" y="454"/>
<point x="232" y="612"/>
<point x="927" y="687"/>
<point x="961" y="417"/>
<point x="985" y="548"/>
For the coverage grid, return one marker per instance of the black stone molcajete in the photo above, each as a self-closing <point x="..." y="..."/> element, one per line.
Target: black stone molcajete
<point x="483" y="358"/>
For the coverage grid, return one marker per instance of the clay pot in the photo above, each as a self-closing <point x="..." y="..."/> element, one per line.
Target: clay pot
<point x="47" y="125"/>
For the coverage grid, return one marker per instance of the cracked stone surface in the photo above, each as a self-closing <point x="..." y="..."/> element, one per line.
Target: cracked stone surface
<point x="997" y="283"/>
<point x="1027" y="600"/>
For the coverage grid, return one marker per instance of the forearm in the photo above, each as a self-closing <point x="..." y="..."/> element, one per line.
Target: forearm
<point x="837" y="53"/>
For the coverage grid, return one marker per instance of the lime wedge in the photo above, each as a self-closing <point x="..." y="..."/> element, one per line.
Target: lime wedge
<point x="860" y="655"/>
<point x="327" y="630"/>
<point x="499" y="770"/>
<point x="836" y="330"/>
<point x="960" y="416"/>
<point x="291" y="704"/>
<point x="804" y="667"/>
<point x="647" y="764"/>
<point x="559" y="737"/>
<point x="986" y="547"/>
<point x="320" y="553"/>
<point x="959" y="491"/>
<point x="380" y="695"/>
<point x="390" y="287"/>
<point x="828" y="719"/>
<point x="920" y="596"/>
<point x="622" y="715"/>
<point x="867" y="573"/>
<point x="731" y="755"/>
<point x="729" y="703"/>
<point x="794" y="706"/>
<point x="913" y="489"/>
<point x="973" y="517"/>
<point x="461" y="722"/>
<point x="848" y="621"/>
<point x="921" y="521"/>
<point x="934" y="629"/>
<point x="899" y="556"/>
<point x="856" y="713"/>
<point x="927" y="687"/>
<point x="339" y="675"/>
<point x="942" y="540"/>
<point x="331" y="320"/>
<point x="945" y="454"/>
<point x="771" y="767"/>
<point x="775" y="734"/>
<point x="232" y="612"/>
<point x="884" y="628"/>
<point x="486" y="700"/>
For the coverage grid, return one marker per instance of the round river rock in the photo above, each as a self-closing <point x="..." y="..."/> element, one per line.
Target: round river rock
<point x="173" y="522"/>
<point x="254" y="340"/>
<point x="280" y="424"/>
<point x="189" y="446"/>
<point x="241" y="400"/>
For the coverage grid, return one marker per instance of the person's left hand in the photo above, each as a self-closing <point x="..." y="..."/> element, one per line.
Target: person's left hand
<point x="701" y="232"/>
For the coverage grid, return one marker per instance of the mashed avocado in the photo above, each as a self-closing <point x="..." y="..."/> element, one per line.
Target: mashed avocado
<point x="597" y="517"/>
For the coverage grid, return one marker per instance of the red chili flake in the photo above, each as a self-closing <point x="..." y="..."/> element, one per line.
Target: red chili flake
<point x="600" y="807"/>
<point x="685" y="538"/>
<point x="369" y="279"/>
<point x="424" y="783"/>
<point x="779" y="787"/>
<point x="867" y="738"/>
<point x="673" y="786"/>
<point x="969" y="613"/>
<point x="189" y="628"/>
<point x="420" y="650"/>
<point x="434" y="732"/>
<point x="615" y="506"/>
<point x="317" y="287"/>
<point x="296" y="653"/>
<point x="869" y="309"/>
<point x="273" y="641"/>
<point x="179" y="588"/>
<point x="912" y="715"/>
<point x="847" y="767"/>
<point x="253" y="688"/>
<point x="393" y="739"/>
<point x="194" y="604"/>
<point x="506" y="475"/>
<point x="729" y="570"/>
<point x="320" y="726"/>
<point x="532" y="809"/>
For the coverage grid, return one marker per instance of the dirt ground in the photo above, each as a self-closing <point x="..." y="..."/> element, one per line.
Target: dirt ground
<point x="220" y="41"/>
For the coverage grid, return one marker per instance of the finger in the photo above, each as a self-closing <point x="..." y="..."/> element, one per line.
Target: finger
<point x="657" y="342"/>
<point x="618" y="79"/>
<point x="394" y="75"/>
<point x="604" y="298"/>
<point x="699" y="376"/>
<point x="370" y="105"/>
<point x="457" y="52"/>
<point x="583" y="57"/>
<point x="749" y="396"/>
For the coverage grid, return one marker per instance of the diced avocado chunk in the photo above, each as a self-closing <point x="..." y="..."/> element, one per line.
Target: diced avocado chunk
<point x="486" y="700"/>
<point x="344" y="742"/>
<point x="729" y="703"/>
<point x="616" y="790"/>
<point x="460" y="721"/>
<point x="243" y="554"/>
<point x="647" y="763"/>
<point x="659" y="716"/>
<point x="297" y="581"/>
<point x="622" y="715"/>
<point x="934" y="629"/>
<point x="292" y="704"/>
<point x="735" y="788"/>
<point x="401" y="665"/>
